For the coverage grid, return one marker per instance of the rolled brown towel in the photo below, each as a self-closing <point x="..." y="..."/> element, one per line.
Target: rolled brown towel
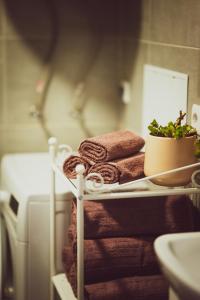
<point x="137" y="216"/>
<point x="70" y="164"/>
<point x="111" y="258"/>
<point x="153" y="287"/>
<point x="111" y="146"/>
<point x="121" y="170"/>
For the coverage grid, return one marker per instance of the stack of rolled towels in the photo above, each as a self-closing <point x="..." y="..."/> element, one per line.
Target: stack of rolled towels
<point x="116" y="156"/>
<point x="119" y="258"/>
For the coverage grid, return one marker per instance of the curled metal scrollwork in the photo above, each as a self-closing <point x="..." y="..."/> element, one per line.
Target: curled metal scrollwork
<point x="196" y="178"/>
<point x="64" y="151"/>
<point x="93" y="186"/>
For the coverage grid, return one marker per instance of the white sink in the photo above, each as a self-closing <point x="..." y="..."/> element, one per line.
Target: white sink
<point x="179" y="257"/>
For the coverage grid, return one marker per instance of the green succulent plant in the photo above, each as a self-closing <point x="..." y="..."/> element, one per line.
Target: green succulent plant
<point x="173" y="130"/>
<point x="176" y="130"/>
<point x="197" y="148"/>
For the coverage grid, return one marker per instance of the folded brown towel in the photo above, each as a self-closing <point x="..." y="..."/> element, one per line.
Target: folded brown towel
<point x="196" y="213"/>
<point x="152" y="287"/>
<point x="137" y="216"/>
<point x="70" y="164"/>
<point x="121" y="170"/>
<point x="129" y="288"/>
<point x="111" y="258"/>
<point x="111" y="146"/>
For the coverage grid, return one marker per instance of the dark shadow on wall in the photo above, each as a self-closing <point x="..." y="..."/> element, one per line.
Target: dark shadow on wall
<point x="80" y="40"/>
<point x="78" y="28"/>
<point x="129" y="22"/>
<point x="129" y="29"/>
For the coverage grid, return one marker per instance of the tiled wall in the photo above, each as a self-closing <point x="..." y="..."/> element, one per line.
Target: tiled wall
<point x="99" y="44"/>
<point x="86" y="37"/>
<point x="170" y="38"/>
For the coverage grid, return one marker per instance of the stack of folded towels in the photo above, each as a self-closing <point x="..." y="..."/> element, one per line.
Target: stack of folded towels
<point x="119" y="259"/>
<point x="116" y="156"/>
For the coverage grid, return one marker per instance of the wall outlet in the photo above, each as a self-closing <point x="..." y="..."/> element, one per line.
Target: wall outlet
<point x="195" y="117"/>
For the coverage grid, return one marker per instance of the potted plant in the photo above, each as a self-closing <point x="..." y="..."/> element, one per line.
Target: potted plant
<point x="170" y="147"/>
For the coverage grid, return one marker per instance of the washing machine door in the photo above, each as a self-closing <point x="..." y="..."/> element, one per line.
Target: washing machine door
<point x="6" y="270"/>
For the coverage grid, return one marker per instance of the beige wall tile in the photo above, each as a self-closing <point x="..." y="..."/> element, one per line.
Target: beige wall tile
<point x="1" y="51"/>
<point x="176" y="22"/>
<point x="57" y="105"/>
<point x="102" y="101"/>
<point x="28" y="18"/>
<point x="99" y="44"/>
<point x="178" y="59"/>
<point x="74" y="134"/>
<point x="1" y="19"/>
<point x="42" y="18"/>
<point x="23" y="70"/>
<point x="22" y="140"/>
<point x="1" y="32"/>
<point x="32" y="138"/>
<point x="129" y="51"/>
<point x="130" y="18"/>
<point x="146" y="20"/>
<point x="91" y="64"/>
<point x="132" y="111"/>
<point x="87" y="52"/>
<point x="181" y="60"/>
<point x="76" y="17"/>
<point x="2" y="143"/>
<point x="78" y="56"/>
<point x="101" y="92"/>
<point x="2" y="103"/>
<point x="134" y="18"/>
<point x="98" y="100"/>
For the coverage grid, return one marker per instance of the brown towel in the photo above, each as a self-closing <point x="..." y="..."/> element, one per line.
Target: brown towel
<point x="121" y="170"/>
<point x="152" y="287"/>
<point x="196" y="213"/>
<point x="70" y="164"/>
<point x="111" y="258"/>
<point x="137" y="216"/>
<point x="129" y="288"/>
<point x="111" y="146"/>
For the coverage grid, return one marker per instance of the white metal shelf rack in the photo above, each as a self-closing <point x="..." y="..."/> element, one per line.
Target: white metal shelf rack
<point x="84" y="189"/>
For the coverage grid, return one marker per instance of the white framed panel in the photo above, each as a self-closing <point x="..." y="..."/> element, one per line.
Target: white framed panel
<point x="164" y="95"/>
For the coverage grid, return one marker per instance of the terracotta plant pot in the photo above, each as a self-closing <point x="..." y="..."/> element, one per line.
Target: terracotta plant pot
<point x="163" y="154"/>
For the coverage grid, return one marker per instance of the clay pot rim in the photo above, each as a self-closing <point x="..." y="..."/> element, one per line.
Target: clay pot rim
<point x="172" y="138"/>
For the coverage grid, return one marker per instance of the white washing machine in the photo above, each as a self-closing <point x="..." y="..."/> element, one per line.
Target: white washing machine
<point x="25" y="225"/>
